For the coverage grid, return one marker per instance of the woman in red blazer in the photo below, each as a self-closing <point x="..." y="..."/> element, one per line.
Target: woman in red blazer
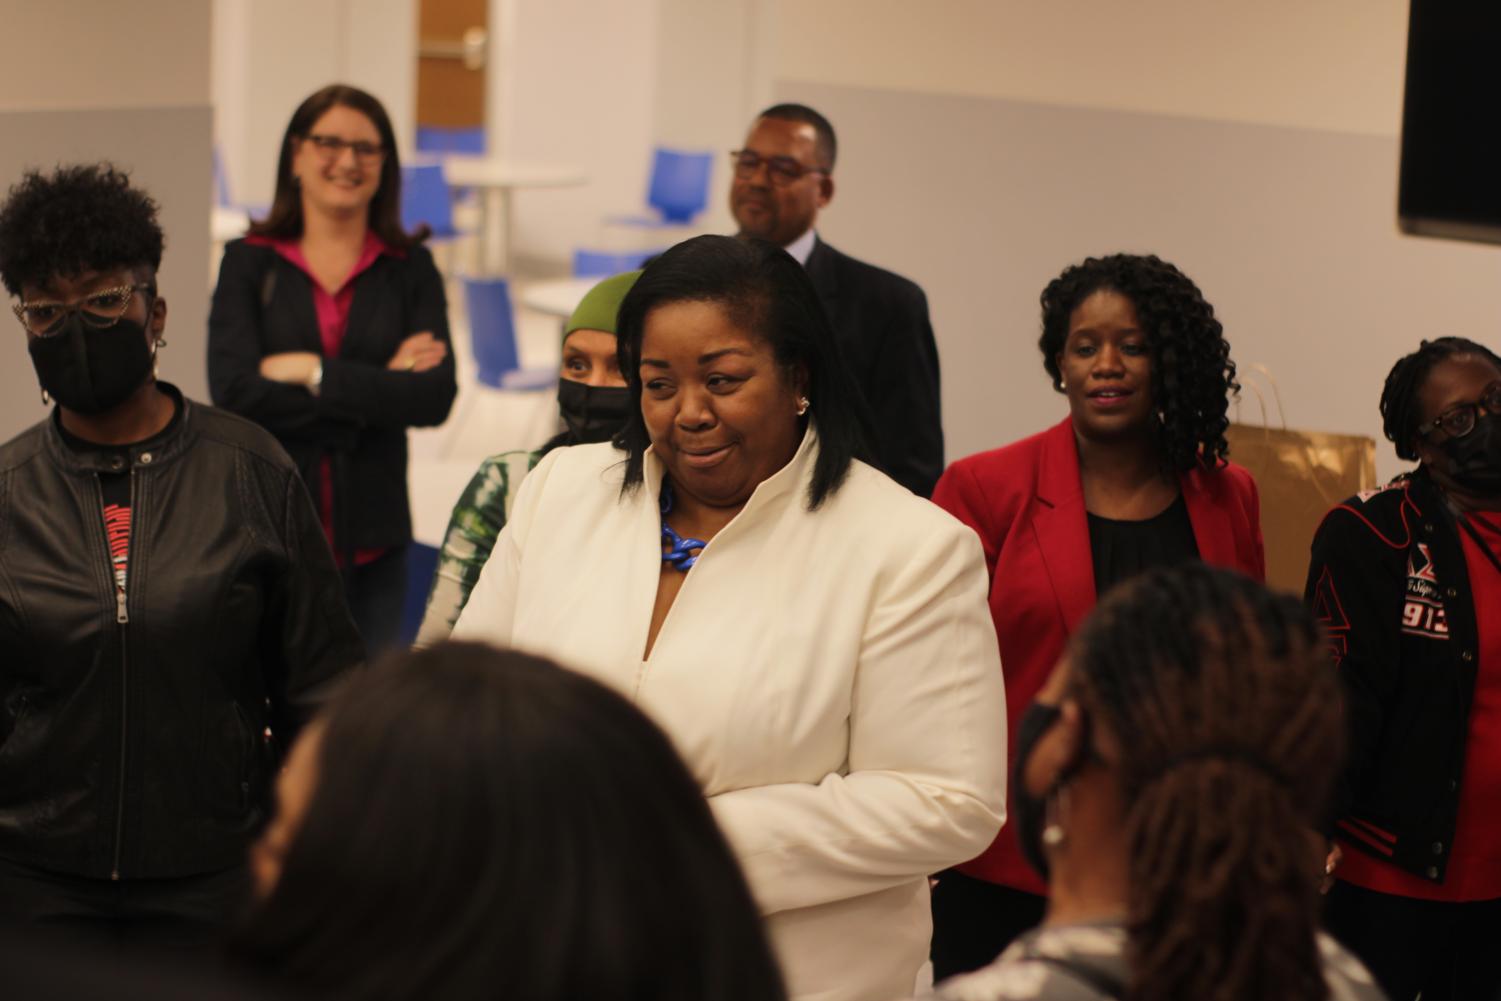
<point x="1134" y="477"/>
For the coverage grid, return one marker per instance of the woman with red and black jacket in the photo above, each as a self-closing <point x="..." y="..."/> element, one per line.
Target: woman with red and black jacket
<point x="329" y="328"/>
<point x="1407" y="581"/>
<point x="1134" y="477"/>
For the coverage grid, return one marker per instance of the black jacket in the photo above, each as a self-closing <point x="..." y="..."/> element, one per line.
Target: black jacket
<point x="881" y="321"/>
<point x="132" y="738"/>
<point x="263" y="305"/>
<point x="1389" y="583"/>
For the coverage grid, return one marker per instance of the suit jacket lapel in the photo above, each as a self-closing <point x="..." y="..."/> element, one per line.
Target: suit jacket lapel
<point x="1210" y="520"/>
<point x="1062" y="526"/>
<point x="825" y="277"/>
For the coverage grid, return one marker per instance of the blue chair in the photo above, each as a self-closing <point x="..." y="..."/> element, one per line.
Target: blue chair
<point x="604" y="263"/>
<point x="438" y="139"/>
<point x="425" y="198"/>
<point x="679" y="184"/>
<point x="679" y="188"/>
<point x="422" y="566"/>
<point x="492" y="331"/>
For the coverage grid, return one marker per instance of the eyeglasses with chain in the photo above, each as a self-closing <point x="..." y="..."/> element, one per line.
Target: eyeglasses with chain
<point x="1460" y="421"/>
<point x="782" y="170"/>
<point x="100" y="310"/>
<point x="332" y="147"/>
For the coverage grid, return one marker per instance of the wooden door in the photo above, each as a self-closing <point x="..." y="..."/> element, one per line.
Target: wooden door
<point x="453" y="51"/>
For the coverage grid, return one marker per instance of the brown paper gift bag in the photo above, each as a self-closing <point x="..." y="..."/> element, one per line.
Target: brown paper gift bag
<point x="1300" y="475"/>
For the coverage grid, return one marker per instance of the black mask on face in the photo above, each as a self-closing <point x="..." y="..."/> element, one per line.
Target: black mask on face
<point x="1475" y="459"/>
<point x="90" y="371"/>
<point x="1031" y="811"/>
<point x="592" y="413"/>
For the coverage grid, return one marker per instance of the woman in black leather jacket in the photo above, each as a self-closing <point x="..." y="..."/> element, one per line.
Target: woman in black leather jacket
<point x="169" y="610"/>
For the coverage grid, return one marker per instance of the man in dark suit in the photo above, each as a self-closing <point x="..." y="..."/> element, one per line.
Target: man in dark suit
<point x="782" y="177"/>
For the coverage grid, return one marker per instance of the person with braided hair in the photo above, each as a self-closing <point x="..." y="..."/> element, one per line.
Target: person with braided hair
<point x="1135" y="476"/>
<point x="1407" y="582"/>
<point x="1167" y="778"/>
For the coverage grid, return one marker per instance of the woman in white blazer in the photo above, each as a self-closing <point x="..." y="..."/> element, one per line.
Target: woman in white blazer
<point x="814" y="638"/>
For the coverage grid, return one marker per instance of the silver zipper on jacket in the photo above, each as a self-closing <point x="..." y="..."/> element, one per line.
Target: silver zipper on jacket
<point x="122" y="618"/>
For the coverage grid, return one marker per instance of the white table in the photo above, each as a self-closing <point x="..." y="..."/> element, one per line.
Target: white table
<point x="559" y="297"/>
<point x="496" y="179"/>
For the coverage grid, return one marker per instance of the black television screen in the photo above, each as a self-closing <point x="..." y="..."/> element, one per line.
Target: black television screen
<point x="1450" y="182"/>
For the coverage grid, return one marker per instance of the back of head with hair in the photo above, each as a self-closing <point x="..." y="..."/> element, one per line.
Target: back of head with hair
<point x="486" y="824"/>
<point x="1192" y="374"/>
<point x="1399" y="395"/>
<point x="1227" y="713"/>
<point x="284" y="221"/>
<point x="79" y="218"/>
<point x="764" y="291"/>
<point x="826" y="145"/>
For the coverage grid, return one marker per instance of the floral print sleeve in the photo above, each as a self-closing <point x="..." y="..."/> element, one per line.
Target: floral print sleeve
<point x="476" y="522"/>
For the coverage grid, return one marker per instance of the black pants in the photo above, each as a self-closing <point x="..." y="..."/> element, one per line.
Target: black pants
<point x="974" y="921"/>
<point x="188" y="913"/>
<point x="376" y="593"/>
<point x="1445" y="951"/>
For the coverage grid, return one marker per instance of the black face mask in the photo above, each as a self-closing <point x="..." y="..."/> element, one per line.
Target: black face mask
<point x="1037" y="720"/>
<point x="90" y="371"/>
<point x="1031" y="811"/>
<point x="1475" y="459"/>
<point x="592" y="413"/>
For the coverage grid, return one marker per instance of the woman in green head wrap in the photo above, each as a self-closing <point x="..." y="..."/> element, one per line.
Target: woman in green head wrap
<point x="592" y="398"/>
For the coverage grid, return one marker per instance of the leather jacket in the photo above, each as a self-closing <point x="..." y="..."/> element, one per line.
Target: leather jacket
<point x="138" y="728"/>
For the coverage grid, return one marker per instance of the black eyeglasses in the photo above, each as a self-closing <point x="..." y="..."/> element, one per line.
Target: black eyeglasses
<point x="1460" y="421"/>
<point x="782" y="170"/>
<point x="99" y="310"/>
<point x="332" y="147"/>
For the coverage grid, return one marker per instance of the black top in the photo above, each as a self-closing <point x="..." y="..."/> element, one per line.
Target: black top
<point x="885" y="339"/>
<point x="264" y="305"/>
<point x="1123" y="549"/>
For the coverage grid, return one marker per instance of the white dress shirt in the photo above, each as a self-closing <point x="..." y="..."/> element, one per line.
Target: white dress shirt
<point x="831" y="678"/>
<point x="802" y="247"/>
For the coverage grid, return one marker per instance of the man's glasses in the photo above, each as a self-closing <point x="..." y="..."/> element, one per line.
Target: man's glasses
<point x="782" y="170"/>
<point x="332" y="147"/>
<point x="99" y="310"/>
<point x="1460" y="421"/>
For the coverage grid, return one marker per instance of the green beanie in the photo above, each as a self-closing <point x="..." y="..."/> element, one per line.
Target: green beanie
<point x="596" y="311"/>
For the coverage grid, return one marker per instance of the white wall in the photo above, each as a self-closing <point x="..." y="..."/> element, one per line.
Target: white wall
<point x="88" y="80"/>
<point x="268" y="55"/>
<point x="1318" y="64"/>
<point x="985" y="145"/>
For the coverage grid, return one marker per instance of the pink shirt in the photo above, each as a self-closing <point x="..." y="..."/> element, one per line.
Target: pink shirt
<point x="332" y="309"/>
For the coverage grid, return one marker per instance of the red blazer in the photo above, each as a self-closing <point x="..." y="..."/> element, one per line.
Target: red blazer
<point x="1026" y="501"/>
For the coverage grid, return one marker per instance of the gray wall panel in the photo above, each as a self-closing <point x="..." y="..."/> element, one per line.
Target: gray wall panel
<point x="1290" y="233"/>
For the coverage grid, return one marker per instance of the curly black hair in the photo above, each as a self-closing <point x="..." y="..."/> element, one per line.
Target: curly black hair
<point x="1399" y="396"/>
<point x="1192" y="374"/>
<point x="83" y="217"/>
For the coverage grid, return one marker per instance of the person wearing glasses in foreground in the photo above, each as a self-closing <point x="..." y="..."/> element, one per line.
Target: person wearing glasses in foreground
<point x="782" y="177"/>
<point x="329" y="328"/>
<point x="813" y="637"/>
<point x="166" y="595"/>
<point x="1407" y="581"/>
<point x="1165" y="782"/>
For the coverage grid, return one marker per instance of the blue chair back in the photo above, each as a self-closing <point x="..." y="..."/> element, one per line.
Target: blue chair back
<point x="441" y="139"/>
<point x="425" y="198"/>
<point x="679" y="183"/>
<point x="604" y="263"/>
<point x="492" y="328"/>
<point x="422" y="566"/>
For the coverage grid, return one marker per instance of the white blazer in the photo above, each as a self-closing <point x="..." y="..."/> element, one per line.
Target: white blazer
<point x="831" y="678"/>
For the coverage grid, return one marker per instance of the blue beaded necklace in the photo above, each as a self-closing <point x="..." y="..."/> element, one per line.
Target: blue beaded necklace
<point x="680" y="550"/>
